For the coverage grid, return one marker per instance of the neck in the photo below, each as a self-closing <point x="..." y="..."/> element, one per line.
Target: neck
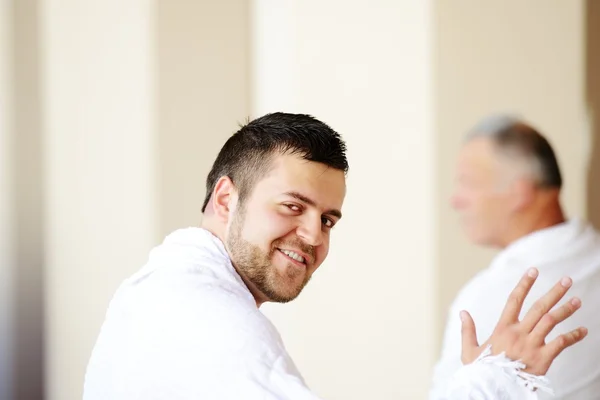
<point x="528" y="223"/>
<point x="209" y="223"/>
<point x="259" y="297"/>
<point x="217" y="229"/>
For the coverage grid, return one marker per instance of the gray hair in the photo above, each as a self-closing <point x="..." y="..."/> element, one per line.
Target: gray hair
<point x="514" y="137"/>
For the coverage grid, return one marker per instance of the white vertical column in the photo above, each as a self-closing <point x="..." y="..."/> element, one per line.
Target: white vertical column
<point x="273" y="46"/>
<point x="99" y="143"/>
<point x="364" y="327"/>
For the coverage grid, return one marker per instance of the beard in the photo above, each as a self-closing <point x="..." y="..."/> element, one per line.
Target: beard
<point x="256" y="265"/>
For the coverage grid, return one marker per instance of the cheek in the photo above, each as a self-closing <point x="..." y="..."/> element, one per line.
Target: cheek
<point x="267" y="226"/>
<point x="322" y="251"/>
<point x="467" y="198"/>
<point x="482" y="203"/>
<point x="495" y="209"/>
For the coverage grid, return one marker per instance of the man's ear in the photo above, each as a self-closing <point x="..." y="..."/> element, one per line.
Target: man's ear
<point x="224" y="198"/>
<point x="523" y="193"/>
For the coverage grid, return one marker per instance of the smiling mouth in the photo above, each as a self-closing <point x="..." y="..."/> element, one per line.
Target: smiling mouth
<point x="293" y="256"/>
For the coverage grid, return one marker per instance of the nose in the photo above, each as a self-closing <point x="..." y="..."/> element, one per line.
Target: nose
<point x="457" y="201"/>
<point x="310" y="231"/>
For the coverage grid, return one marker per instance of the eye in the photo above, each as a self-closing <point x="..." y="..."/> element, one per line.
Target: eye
<point x="327" y="222"/>
<point x="293" y="207"/>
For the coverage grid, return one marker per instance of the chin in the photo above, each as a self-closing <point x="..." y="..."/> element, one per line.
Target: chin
<point x="476" y="237"/>
<point x="288" y="291"/>
<point x="483" y="240"/>
<point x="285" y="297"/>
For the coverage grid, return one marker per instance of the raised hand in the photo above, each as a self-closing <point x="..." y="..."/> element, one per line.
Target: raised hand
<point x="526" y="340"/>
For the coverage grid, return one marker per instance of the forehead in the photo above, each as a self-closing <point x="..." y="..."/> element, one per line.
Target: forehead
<point x="291" y="173"/>
<point x="477" y="156"/>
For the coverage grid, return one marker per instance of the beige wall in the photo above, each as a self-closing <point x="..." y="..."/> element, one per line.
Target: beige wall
<point x="524" y="57"/>
<point x="6" y="237"/>
<point x="364" y="327"/>
<point x="203" y="94"/>
<point x="592" y="87"/>
<point x="27" y="193"/>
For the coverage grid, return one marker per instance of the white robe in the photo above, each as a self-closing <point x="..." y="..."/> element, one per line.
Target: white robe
<point x="186" y="327"/>
<point x="569" y="249"/>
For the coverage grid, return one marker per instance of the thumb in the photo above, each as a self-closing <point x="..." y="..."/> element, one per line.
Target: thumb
<point x="469" y="336"/>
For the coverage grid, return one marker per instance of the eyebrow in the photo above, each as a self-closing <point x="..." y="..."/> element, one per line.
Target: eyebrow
<point x="334" y="212"/>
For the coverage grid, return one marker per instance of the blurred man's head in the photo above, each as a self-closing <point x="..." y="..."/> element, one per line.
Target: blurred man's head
<point x="274" y="192"/>
<point x="508" y="182"/>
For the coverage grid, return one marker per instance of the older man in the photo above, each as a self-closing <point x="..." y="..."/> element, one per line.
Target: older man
<point x="508" y="197"/>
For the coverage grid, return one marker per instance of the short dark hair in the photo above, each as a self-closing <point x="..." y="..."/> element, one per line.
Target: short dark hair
<point x="512" y="135"/>
<point x="247" y="154"/>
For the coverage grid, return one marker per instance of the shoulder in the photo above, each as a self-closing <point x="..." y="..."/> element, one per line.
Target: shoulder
<point x="470" y="288"/>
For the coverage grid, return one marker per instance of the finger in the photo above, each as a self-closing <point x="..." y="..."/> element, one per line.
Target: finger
<point x="550" y="320"/>
<point x="555" y="347"/>
<point x="545" y="304"/>
<point x="469" y="336"/>
<point x="511" y="311"/>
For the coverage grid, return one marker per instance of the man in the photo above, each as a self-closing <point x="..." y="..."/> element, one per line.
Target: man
<point x="508" y="197"/>
<point x="187" y="325"/>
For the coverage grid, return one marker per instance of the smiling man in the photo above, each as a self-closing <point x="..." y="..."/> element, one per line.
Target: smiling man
<point x="188" y="325"/>
<point x="285" y="238"/>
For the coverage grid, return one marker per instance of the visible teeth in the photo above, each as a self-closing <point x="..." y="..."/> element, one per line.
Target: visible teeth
<point x="293" y="255"/>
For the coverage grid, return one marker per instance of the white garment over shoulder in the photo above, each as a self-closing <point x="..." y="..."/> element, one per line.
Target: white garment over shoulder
<point x="569" y="249"/>
<point x="185" y="327"/>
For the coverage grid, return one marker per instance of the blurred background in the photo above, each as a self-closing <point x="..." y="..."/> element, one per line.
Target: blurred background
<point x="112" y="112"/>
